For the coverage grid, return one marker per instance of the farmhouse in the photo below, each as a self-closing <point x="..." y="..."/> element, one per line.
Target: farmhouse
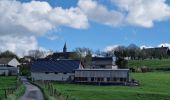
<point x="103" y="63"/>
<point x="163" y="51"/>
<point x="8" y="66"/>
<point x="54" y="69"/>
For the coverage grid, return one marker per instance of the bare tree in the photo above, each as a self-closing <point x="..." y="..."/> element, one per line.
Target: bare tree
<point x="82" y="52"/>
<point x="85" y="55"/>
<point x="36" y="54"/>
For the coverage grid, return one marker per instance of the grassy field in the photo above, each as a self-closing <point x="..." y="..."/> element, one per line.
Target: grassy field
<point x="154" y="86"/>
<point x="7" y="82"/>
<point x="150" y="63"/>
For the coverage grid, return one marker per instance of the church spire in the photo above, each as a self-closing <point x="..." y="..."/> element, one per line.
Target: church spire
<point x="65" y="48"/>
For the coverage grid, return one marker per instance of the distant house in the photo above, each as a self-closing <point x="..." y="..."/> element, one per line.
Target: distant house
<point x="57" y="70"/>
<point x="103" y="63"/>
<point x="8" y="66"/>
<point x="28" y="58"/>
<point x="61" y="55"/>
<point x="163" y="51"/>
<point x="104" y="76"/>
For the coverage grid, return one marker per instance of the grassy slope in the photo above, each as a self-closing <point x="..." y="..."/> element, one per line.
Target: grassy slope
<point x="154" y="86"/>
<point x="7" y="82"/>
<point x="149" y="63"/>
<point x="19" y="92"/>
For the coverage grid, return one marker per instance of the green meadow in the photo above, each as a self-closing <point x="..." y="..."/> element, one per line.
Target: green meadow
<point x="153" y="86"/>
<point x="7" y="82"/>
<point x="154" y="63"/>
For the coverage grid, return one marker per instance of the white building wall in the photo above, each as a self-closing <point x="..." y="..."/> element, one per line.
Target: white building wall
<point x="51" y="76"/>
<point x="4" y="72"/>
<point x="8" y="71"/>
<point x="101" y="73"/>
<point x="14" y="63"/>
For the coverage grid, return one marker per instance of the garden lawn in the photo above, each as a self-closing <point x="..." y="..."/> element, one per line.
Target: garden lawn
<point x="154" y="86"/>
<point x="153" y="63"/>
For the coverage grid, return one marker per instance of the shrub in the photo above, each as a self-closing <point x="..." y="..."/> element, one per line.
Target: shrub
<point x="121" y="63"/>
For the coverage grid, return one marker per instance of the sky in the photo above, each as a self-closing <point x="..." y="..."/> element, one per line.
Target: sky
<point x="97" y="24"/>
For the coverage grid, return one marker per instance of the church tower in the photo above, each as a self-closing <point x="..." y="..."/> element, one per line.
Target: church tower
<point x="65" y="48"/>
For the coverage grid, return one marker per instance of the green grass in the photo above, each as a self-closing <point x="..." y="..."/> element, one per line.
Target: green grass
<point x="7" y="82"/>
<point x="44" y="90"/>
<point x="154" y="86"/>
<point x="19" y="92"/>
<point x="155" y="63"/>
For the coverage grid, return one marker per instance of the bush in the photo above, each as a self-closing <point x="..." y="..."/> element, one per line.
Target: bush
<point x="144" y="69"/>
<point x="121" y="63"/>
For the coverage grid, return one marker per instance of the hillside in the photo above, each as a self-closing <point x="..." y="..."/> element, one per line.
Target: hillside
<point x="154" y="63"/>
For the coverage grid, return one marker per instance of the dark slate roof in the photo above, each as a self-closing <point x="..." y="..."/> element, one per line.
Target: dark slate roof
<point x="158" y="49"/>
<point x="5" y="60"/>
<point x="102" y="59"/>
<point x="6" y="66"/>
<point x="61" y="66"/>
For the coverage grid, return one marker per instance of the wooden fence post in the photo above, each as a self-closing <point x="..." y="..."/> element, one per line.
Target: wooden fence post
<point x="5" y="93"/>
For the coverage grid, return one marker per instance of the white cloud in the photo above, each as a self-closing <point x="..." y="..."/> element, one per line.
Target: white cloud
<point x="21" y="45"/>
<point x="164" y="45"/>
<point x="22" y="23"/>
<point x="99" y="13"/>
<point x="144" y="46"/>
<point x="110" y="48"/>
<point x="19" y="21"/>
<point x="144" y="12"/>
<point x="37" y="17"/>
<point x="17" y="44"/>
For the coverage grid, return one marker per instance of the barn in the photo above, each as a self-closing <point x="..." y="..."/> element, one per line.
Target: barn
<point x="105" y="76"/>
<point x="54" y="69"/>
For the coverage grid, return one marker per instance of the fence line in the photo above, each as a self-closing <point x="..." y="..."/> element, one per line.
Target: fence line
<point x="10" y="90"/>
<point x="53" y="91"/>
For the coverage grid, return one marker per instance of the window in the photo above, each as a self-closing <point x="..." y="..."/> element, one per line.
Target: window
<point x="100" y="79"/>
<point x="46" y="72"/>
<point x="92" y="79"/>
<point x="108" y="79"/>
<point x="102" y="66"/>
<point x="114" y="79"/>
<point x="81" y="78"/>
<point x="122" y="79"/>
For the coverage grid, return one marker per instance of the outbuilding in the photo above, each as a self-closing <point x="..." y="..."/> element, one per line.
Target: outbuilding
<point x="108" y="76"/>
<point x="9" y="66"/>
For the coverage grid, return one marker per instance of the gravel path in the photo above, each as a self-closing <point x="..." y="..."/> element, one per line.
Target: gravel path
<point x="32" y="92"/>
